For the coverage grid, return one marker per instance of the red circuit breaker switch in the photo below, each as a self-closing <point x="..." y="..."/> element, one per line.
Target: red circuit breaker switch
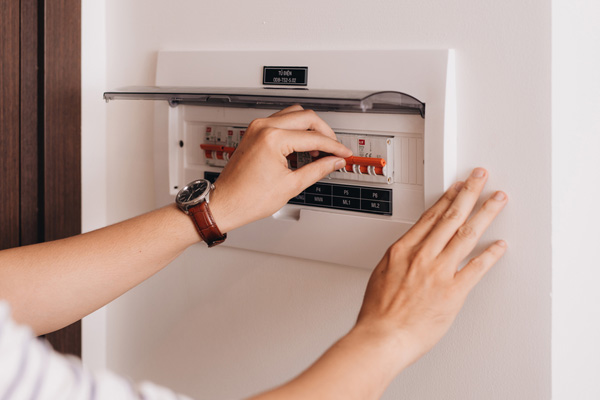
<point x="220" y="143"/>
<point x="365" y="165"/>
<point x="217" y="151"/>
<point x="373" y="159"/>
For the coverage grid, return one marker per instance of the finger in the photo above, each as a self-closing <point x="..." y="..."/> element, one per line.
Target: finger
<point x="295" y="107"/>
<point x="301" y="121"/>
<point x="296" y="141"/>
<point x="457" y="213"/>
<point x="467" y="236"/>
<point x="315" y="171"/>
<point x="475" y="269"/>
<point x="421" y="229"/>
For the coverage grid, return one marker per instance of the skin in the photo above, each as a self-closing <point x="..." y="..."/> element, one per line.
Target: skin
<point x="412" y="297"/>
<point x="257" y="181"/>
<point x="51" y="285"/>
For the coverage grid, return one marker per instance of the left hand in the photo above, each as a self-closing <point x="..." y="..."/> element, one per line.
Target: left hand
<point x="417" y="289"/>
<point x="257" y="181"/>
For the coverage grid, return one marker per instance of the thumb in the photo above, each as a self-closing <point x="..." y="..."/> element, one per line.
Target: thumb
<point x="317" y="170"/>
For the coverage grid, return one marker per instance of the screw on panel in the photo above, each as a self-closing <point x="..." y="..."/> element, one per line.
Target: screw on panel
<point x="175" y="187"/>
<point x="181" y="143"/>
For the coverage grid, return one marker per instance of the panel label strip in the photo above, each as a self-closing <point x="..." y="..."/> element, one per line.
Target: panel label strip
<point x="342" y="197"/>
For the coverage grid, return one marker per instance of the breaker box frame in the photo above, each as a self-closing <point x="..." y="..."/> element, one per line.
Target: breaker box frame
<point x="331" y="235"/>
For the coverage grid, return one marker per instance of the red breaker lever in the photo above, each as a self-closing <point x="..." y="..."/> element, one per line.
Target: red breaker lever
<point x="219" y="149"/>
<point x="366" y="161"/>
<point x="362" y="163"/>
<point x="364" y="169"/>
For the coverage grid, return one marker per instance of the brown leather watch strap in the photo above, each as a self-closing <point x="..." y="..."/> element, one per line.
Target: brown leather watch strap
<point x="205" y="224"/>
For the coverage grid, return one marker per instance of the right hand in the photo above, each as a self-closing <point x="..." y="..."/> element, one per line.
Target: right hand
<point x="416" y="290"/>
<point x="257" y="181"/>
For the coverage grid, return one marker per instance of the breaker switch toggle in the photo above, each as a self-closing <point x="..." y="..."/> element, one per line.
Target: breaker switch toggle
<point x="365" y="165"/>
<point x="357" y="165"/>
<point x="217" y="151"/>
<point x="366" y="161"/>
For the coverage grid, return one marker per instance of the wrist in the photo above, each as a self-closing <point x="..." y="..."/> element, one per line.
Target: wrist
<point x="194" y="200"/>
<point x="183" y="229"/>
<point x="394" y="350"/>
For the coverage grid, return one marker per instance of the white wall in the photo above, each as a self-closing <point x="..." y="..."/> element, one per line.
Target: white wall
<point x="575" y="194"/>
<point x="222" y="323"/>
<point x="93" y="151"/>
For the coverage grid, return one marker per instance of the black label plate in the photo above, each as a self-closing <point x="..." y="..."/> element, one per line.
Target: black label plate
<point x="363" y="199"/>
<point x="285" y="76"/>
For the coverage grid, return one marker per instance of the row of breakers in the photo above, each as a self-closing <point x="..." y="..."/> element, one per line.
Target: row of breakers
<point x="372" y="160"/>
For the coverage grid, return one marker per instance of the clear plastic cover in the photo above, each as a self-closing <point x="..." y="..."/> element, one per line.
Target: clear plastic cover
<point x="386" y="102"/>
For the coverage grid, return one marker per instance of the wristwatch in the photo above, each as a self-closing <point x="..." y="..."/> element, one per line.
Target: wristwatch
<point x="193" y="200"/>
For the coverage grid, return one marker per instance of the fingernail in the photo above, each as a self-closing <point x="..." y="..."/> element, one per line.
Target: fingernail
<point x="499" y="196"/>
<point x="458" y="186"/>
<point x="478" y="173"/>
<point x="339" y="164"/>
<point x="501" y="243"/>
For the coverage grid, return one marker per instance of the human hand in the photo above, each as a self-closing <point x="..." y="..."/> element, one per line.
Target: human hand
<point x="416" y="290"/>
<point x="257" y="181"/>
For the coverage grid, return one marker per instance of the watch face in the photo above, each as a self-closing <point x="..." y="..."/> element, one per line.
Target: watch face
<point x="193" y="193"/>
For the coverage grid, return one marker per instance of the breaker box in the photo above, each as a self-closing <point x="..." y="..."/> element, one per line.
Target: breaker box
<point x="393" y="109"/>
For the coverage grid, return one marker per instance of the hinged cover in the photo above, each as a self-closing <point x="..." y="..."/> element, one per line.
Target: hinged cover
<point x="388" y="102"/>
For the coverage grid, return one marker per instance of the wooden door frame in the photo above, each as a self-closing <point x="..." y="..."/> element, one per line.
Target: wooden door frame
<point x="40" y="109"/>
<point x="9" y="123"/>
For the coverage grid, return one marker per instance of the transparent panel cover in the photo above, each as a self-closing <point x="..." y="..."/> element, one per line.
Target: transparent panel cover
<point x="387" y="102"/>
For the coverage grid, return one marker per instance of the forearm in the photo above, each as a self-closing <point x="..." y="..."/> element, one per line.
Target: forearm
<point x="53" y="284"/>
<point x="50" y="285"/>
<point x="359" y="366"/>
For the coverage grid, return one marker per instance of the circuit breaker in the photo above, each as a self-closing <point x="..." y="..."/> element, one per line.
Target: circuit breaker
<point x="373" y="161"/>
<point x="401" y="135"/>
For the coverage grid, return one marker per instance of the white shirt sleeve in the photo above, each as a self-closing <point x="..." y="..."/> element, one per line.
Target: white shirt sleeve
<point x="30" y="369"/>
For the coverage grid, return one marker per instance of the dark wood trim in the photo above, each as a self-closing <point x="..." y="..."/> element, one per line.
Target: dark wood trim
<point x="31" y="131"/>
<point x="67" y="340"/>
<point x="62" y="119"/>
<point x="40" y="129"/>
<point x="62" y="136"/>
<point x="9" y="123"/>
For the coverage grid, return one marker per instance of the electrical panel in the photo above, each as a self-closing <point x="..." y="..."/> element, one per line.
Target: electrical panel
<point x="402" y="137"/>
<point x="373" y="161"/>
